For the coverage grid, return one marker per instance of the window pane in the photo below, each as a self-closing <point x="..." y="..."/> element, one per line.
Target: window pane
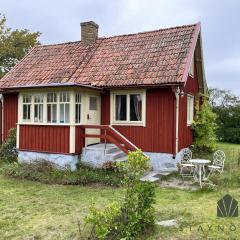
<point x="38" y="98"/>
<point x="54" y="113"/>
<point x="61" y="113"/>
<point x="27" y="98"/>
<point x="52" y="97"/>
<point x="135" y="107"/>
<point x="78" y="113"/>
<point x="78" y="97"/>
<point x="35" y="113"/>
<point x="49" y="113"/>
<point x="190" y="108"/>
<point x="92" y="103"/>
<point x="121" y="108"/>
<point x="28" y="112"/>
<point x="24" y="111"/>
<point x="67" y="113"/>
<point x="64" y="97"/>
<point x="40" y="112"/>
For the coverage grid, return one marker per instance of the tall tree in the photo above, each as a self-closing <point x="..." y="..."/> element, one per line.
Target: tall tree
<point x="227" y="107"/>
<point x="222" y="98"/>
<point x="14" y="45"/>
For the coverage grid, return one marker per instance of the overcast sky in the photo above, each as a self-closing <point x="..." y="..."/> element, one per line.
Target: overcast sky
<point x="59" y="21"/>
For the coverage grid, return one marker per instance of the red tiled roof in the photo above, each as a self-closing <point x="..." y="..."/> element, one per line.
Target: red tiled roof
<point x="148" y="58"/>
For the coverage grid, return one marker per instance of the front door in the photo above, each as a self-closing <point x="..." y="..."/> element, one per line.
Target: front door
<point x="93" y="117"/>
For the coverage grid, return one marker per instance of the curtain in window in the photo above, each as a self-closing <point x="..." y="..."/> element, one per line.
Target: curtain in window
<point x="138" y="107"/>
<point x="121" y="107"/>
<point x="135" y="107"/>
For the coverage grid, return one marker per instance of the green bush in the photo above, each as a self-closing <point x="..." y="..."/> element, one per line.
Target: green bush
<point x="135" y="214"/>
<point x="46" y="172"/>
<point x="8" y="152"/>
<point x="204" y="126"/>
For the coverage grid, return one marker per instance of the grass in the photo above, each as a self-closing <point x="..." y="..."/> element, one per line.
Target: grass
<point x="31" y="210"/>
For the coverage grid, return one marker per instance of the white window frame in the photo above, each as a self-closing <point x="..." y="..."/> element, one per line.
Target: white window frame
<point x="27" y="104"/>
<point x="51" y="103"/>
<point x="190" y="109"/>
<point x="38" y="104"/>
<point x="78" y="105"/>
<point x="64" y="103"/>
<point x="127" y="122"/>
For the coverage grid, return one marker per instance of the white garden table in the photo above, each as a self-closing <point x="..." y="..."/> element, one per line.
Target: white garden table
<point x="200" y="165"/>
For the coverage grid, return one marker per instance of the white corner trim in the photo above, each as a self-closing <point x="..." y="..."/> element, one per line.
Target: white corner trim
<point x="177" y="118"/>
<point x="72" y="140"/>
<point x="17" y="137"/>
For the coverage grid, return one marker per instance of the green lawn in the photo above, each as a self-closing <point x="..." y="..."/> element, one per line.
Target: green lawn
<point x="30" y="209"/>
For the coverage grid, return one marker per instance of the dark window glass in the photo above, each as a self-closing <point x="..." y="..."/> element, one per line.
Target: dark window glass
<point x="121" y="108"/>
<point x="135" y="107"/>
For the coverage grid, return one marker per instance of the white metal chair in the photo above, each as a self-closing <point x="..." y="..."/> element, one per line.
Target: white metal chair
<point x="187" y="169"/>
<point x="218" y="162"/>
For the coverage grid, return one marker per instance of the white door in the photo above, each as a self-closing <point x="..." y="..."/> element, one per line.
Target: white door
<point x="93" y="117"/>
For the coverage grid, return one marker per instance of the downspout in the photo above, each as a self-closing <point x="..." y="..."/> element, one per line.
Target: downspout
<point x="177" y="93"/>
<point x="1" y="99"/>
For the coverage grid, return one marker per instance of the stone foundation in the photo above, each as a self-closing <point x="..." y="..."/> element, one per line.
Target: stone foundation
<point x="162" y="161"/>
<point x="62" y="160"/>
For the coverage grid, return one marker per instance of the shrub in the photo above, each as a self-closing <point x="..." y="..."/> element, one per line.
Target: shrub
<point x="134" y="215"/>
<point x="47" y="172"/>
<point x="104" y="222"/>
<point x="8" y="152"/>
<point x="204" y="126"/>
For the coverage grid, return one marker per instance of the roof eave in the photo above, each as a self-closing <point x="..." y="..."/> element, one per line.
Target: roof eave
<point x="51" y="85"/>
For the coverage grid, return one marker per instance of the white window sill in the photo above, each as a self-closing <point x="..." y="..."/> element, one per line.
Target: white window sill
<point x="140" y="124"/>
<point x="189" y="124"/>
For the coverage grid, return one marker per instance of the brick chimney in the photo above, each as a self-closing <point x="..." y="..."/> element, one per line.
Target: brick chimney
<point x="89" y="32"/>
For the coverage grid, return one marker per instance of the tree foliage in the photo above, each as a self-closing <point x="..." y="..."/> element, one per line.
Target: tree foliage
<point x="226" y="105"/>
<point x="205" y="126"/>
<point x="14" y="45"/>
<point x="8" y="152"/>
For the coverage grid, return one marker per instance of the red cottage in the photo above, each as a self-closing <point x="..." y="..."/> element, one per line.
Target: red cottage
<point x="104" y="96"/>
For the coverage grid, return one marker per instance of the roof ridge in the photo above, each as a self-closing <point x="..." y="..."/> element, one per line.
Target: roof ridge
<point x="156" y="30"/>
<point x="123" y="35"/>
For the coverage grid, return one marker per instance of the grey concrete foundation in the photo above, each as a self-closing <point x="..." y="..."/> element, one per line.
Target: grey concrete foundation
<point x="62" y="160"/>
<point x="162" y="161"/>
<point x="97" y="155"/>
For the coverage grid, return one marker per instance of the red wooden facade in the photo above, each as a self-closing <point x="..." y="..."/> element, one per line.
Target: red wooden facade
<point x="54" y="139"/>
<point x="185" y="135"/>
<point x="157" y="135"/>
<point x="10" y="112"/>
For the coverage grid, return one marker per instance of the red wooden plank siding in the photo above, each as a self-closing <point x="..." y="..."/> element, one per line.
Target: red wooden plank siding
<point x="54" y="139"/>
<point x="10" y="112"/>
<point x="186" y="132"/>
<point x="157" y="136"/>
<point x="79" y="142"/>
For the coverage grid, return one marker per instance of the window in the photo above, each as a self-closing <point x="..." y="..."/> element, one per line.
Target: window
<point x="121" y="107"/>
<point x="92" y="103"/>
<point x="78" y="108"/>
<point x="52" y="107"/>
<point x="27" y="102"/>
<point x="135" y="107"/>
<point x="191" y="70"/>
<point x="129" y="108"/>
<point x="190" y="109"/>
<point x="64" y="107"/>
<point x="38" y="108"/>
